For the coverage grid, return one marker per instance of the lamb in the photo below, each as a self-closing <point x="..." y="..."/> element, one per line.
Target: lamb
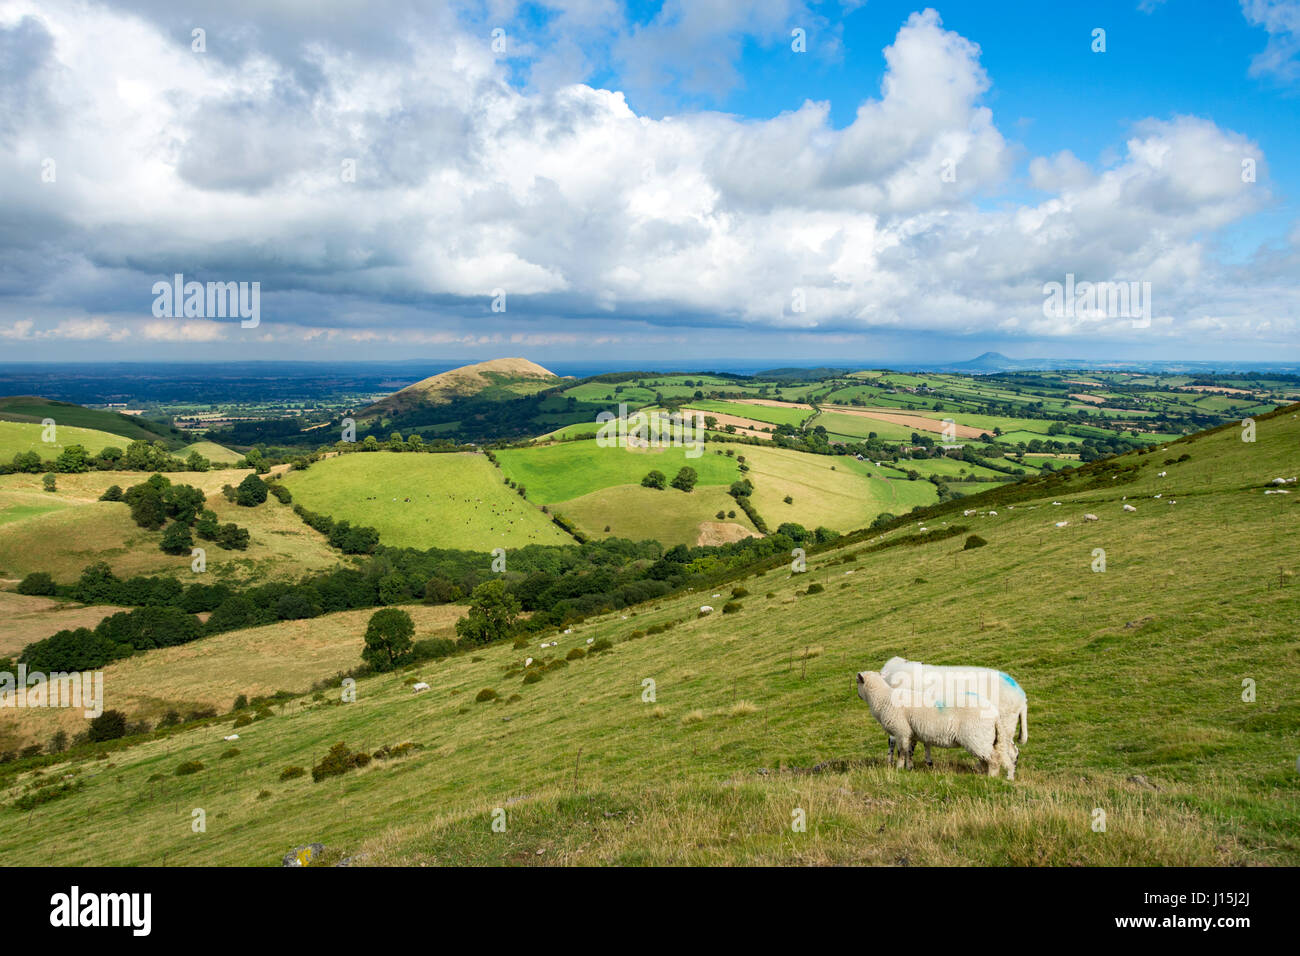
<point x="417" y="687"/>
<point x="975" y="727"/>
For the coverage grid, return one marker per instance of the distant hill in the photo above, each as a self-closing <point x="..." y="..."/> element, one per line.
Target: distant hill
<point x="33" y="410"/>
<point x="504" y="378"/>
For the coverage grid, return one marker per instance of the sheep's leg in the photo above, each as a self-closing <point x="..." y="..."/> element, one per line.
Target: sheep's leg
<point x="991" y="764"/>
<point x="929" y="761"/>
<point x="905" y="753"/>
<point x="891" y="749"/>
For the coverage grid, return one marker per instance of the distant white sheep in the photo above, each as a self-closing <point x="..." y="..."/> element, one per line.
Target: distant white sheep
<point x="706" y="609"/>
<point x="974" y="726"/>
<point x="231" y="737"/>
<point x="1062" y="524"/>
<point x="993" y="514"/>
<point x="417" y="687"/>
<point x="1090" y="517"/>
<point x="1129" y="508"/>
<point x="591" y="640"/>
<point x="1277" y="491"/>
<point x="1056" y="502"/>
<point x="1162" y="474"/>
<point x="528" y="662"/>
<point x="968" y="512"/>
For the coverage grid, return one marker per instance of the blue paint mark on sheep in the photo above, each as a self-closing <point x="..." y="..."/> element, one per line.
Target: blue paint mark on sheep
<point x="1009" y="679"/>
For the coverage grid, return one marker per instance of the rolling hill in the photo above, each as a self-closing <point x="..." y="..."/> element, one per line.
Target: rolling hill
<point x="63" y="532"/>
<point x="424" y="500"/>
<point x="33" y="410"/>
<point x="509" y="377"/>
<point x="693" y="739"/>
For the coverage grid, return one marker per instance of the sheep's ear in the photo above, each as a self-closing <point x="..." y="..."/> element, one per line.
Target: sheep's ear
<point x="861" y="679"/>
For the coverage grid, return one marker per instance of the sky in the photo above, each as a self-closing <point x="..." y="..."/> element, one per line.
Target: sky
<point x="582" y="180"/>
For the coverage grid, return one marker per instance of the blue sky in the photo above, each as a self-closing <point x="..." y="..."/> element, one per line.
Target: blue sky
<point x="664" y="177"/>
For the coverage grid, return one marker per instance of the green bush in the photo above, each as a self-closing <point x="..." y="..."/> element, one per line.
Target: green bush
<point x="187" y="768"/>
<point x="339" y="761"/>
<point x="532" y="677"/>
<point x="231" y="752"/>
<point x="602" y="644"/>
<point x="487" y="693"/>
<point x="38" y="583"/>
<point x="814" y="589"/>
<point x="739" y="592"/>
<point x="731" y="607"/>
<point x="576" y="654"/>
<point x="974" y="541"/>
<point x="289" y="773"/>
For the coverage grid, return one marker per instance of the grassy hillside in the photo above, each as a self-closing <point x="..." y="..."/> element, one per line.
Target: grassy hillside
<point x="424" y="500"/>
<point x="211" y="451"/>
<point x="17" y="437"/>
<point x="289" y="656"/>
<point x="511" y="377"/>
<point x="65" y="531"/>
<point x="1134" y="710"/>
<point x="31" y="409"/>
<point x="558" y="473"/>
<point x="25" y="618"/>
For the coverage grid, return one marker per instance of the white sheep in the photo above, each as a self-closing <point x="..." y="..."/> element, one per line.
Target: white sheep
<point x="973" y="726"/>
<point x="1056" y="502"/>
<point x="1062" y="524"/>
<point x="591" y="640"/>
<point x="956" y="680"/>
<point x="568" y="630"/>
<point x="968" y="512"/>
<point x="1277" y="491"/>
<point x="1129" y="508"/>
<point x="706" y="609"/>
<point x="1162" y="474"/>
<point x="1091" y="517"/>
<point x="419" y="686"/>
<point x="528" y="662"/>
<point x="231" y="737"/>
<point x="993" y="514"/>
